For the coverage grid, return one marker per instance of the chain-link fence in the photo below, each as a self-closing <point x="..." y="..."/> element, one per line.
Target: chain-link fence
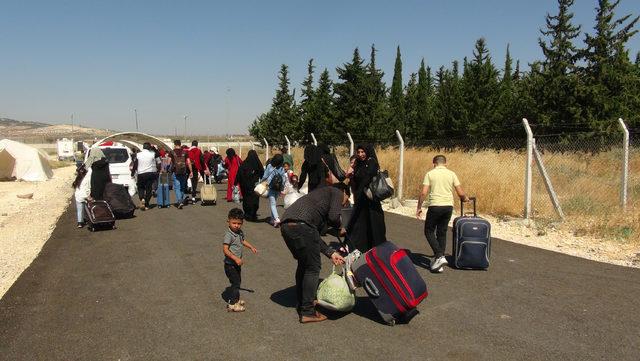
<point x="583" y="170"/>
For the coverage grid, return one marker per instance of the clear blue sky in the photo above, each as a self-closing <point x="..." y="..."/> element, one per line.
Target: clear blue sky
<point x="217" y="62"/>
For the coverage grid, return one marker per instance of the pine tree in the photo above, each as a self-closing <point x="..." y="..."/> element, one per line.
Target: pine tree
<point x="351" y="99"/>
<point x="609" y="73"/>
<point x="396" y="98"/>
<point x="307" y="106"/>
<point x="559" y="96"/>
<point x="425" y="127"/>
<point x="377" y="127"/>
<point x="517" y="73"/>
<point x="410" y="133"/>
<point x="326" y="127"/>
<point x="481" y="94"/>
<point x="449" y="104"/>
<point x="284" y="119"/>
<point x="507" y="112"/>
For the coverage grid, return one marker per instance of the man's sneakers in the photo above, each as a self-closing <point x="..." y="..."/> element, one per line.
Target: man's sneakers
<point x="438" y="263"/>
<point x="317" y="317"/>
<point x="236" y="307"/>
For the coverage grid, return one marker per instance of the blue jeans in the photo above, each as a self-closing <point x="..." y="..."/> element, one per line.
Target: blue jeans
<point x="273" y="196"/>
<point x="179" y="184"/>
<point x="80" y="211"/>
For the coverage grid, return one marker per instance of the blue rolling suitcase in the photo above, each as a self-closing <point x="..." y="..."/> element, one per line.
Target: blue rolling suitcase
<point x="471" y="240"/>
<point x="163" y="193"/>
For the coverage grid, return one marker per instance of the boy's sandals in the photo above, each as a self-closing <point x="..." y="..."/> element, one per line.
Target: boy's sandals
<point x="237" y="307"/>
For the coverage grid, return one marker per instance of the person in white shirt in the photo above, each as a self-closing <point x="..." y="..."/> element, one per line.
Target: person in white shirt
<point x="82" y="185"/>
<point x="148" y="167"/>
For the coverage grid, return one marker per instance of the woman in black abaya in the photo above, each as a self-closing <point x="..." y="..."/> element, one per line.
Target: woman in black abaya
<point x="312" y="168"/>
<point x="249" y="173"/>
<point x="366" y="228"/>
<point x="100" y="176"/>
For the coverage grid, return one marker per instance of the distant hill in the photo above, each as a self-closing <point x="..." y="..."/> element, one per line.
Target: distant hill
<point x="37" y="132"/>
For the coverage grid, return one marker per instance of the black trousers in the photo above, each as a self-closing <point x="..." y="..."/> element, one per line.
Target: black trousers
<point x="304" y="243"/>
<point x="435" y="228"/>
<point x="234" y="273"/>
<point x="145" y="186"/>
<point x="194" y="183"/>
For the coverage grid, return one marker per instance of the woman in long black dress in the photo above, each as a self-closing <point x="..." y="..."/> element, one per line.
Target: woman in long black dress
<point x="249" y="173"/>
<point x="100" y="176"/>
<point x="312" y="168"/>
<point x="366" y="228"/>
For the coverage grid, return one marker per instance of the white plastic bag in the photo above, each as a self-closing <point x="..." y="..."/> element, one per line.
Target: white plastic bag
<point x="291" y="198"/>
<point x="235" y="196"/>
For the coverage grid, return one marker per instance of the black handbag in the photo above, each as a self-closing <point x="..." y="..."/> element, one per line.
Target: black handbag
<point x="381" y="187"/>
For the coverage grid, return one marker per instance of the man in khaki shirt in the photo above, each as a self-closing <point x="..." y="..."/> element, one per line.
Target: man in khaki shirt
<point x="439" y="183"/>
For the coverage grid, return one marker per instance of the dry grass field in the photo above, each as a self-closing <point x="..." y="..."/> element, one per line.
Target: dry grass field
<point x="588" y="185"/>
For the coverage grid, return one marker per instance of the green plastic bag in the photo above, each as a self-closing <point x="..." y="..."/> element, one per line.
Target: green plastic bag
<point x="334" y="293"/>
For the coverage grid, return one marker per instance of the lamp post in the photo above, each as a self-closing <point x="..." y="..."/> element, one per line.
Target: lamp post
<point x="135" y="111"/>
<point x="185" y="127"/>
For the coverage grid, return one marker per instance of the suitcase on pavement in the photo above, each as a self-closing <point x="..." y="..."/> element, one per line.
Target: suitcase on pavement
<point x="471" y="240"/>
<point x="208" y="192"/>
<point x="119" y="200"/>
<point x="391" y="281"/>
<point x="99" y="215"/>
<point x="163" y="193"/>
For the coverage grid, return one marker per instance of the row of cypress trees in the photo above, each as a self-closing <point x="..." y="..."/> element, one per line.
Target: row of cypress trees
<point x="570" y="90"/>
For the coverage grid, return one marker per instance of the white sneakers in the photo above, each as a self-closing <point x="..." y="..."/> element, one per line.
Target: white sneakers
<point x="438" y="263"/>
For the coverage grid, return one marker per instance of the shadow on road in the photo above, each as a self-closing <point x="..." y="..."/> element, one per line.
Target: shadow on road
<point x="285" y="297"/>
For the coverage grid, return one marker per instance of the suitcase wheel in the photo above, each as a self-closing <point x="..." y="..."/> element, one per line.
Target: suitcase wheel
<point x="391" y="323"/>
<point x="114" y="227"/>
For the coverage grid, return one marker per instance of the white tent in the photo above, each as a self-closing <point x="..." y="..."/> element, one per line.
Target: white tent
<point x="23" y="162"/>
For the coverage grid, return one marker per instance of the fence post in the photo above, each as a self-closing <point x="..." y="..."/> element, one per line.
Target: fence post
<point x="625" y="165"/>
<point x="253" y="145"/>
<point x="527" y="174"/>
<point x="240" y="148"/>
<point x="315" y="142"/>
<point x="266" y="146"/>
<point x="400" y="166"/>
<point x="288" y="145"/>
<point x="351" y="145"/>
<point x="547" y="181"/>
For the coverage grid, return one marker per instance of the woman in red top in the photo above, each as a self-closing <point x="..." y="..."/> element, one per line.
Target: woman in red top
<point x="231" y="163"/>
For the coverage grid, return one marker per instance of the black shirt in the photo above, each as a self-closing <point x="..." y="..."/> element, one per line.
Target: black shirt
<point x="319" y="207"/>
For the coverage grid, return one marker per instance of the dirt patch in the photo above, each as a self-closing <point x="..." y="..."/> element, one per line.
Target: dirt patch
<point x="551" y="237"/>
<point x="26" y="224"/>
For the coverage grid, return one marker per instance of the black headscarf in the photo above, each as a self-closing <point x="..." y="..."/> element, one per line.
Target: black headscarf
<point x="252" y="161"/>
<point x="324" y="149"/>
<point x="277" y="161"/>
<point x="100" y="176"/>
<point x="369" y="149"/>
<point x="311" y="155"/>
<point x="230" y="153"/>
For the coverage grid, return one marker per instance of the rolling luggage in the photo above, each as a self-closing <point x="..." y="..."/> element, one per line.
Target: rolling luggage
<point x="163" y="193"/>
<point x="208" y="192"/>
<point x="471" y="240"/>
<point x="119" y="200"/>
<point x="391" y="281"/>
<point x="99" y="215"/>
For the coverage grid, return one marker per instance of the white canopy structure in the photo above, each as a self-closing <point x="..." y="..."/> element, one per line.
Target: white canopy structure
<point x="135" y="140"/>
<point x="23" y="162"/>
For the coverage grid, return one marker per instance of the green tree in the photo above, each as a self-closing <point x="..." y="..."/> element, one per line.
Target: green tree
<point x="481" y="94"/>
<point x="350" y="97"/>
<point x="377" y="127"/>
<point x="558" y="98"/>
<point x="307" y="107"/>
<point x="610" y="89"/>
<point x="449" y="104"/>
<point x="411" y="109"/>
<point x="426" y="126"/>
<point x="507" y="111"/>
<point x="326" y="127"/>
<point x="283" y="118"/>
<point x="396" y="97"/>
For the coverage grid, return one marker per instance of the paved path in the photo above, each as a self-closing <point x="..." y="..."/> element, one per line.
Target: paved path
<point x="150" y="290"/>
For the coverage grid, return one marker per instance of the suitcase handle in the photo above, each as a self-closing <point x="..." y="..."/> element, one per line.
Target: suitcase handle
<point x="371" y="288"/>
<point x="472" y="199"/>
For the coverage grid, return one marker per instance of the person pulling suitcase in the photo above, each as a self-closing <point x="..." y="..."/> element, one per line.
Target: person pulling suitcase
<point x="439" y="185"/>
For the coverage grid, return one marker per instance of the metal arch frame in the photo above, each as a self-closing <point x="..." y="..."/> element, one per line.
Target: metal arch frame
<point x="131" y="138"/>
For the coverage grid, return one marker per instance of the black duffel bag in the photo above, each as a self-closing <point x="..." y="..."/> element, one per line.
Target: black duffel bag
<point x="119" y="199"/>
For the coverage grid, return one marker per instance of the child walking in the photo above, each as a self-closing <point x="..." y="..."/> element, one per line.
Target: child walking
<point x="232" y="247"/>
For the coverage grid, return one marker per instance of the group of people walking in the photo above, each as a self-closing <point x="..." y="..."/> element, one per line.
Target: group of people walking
<point x="329" y="190"/>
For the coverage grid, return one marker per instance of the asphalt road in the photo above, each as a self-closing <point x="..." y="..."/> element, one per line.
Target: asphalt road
<point x="150" y="290"/>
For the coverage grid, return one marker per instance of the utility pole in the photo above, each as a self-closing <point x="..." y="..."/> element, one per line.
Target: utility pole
<point x="72" y="123"/>
<point x="185" y="127"/>
<point x="136" y="113"/>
